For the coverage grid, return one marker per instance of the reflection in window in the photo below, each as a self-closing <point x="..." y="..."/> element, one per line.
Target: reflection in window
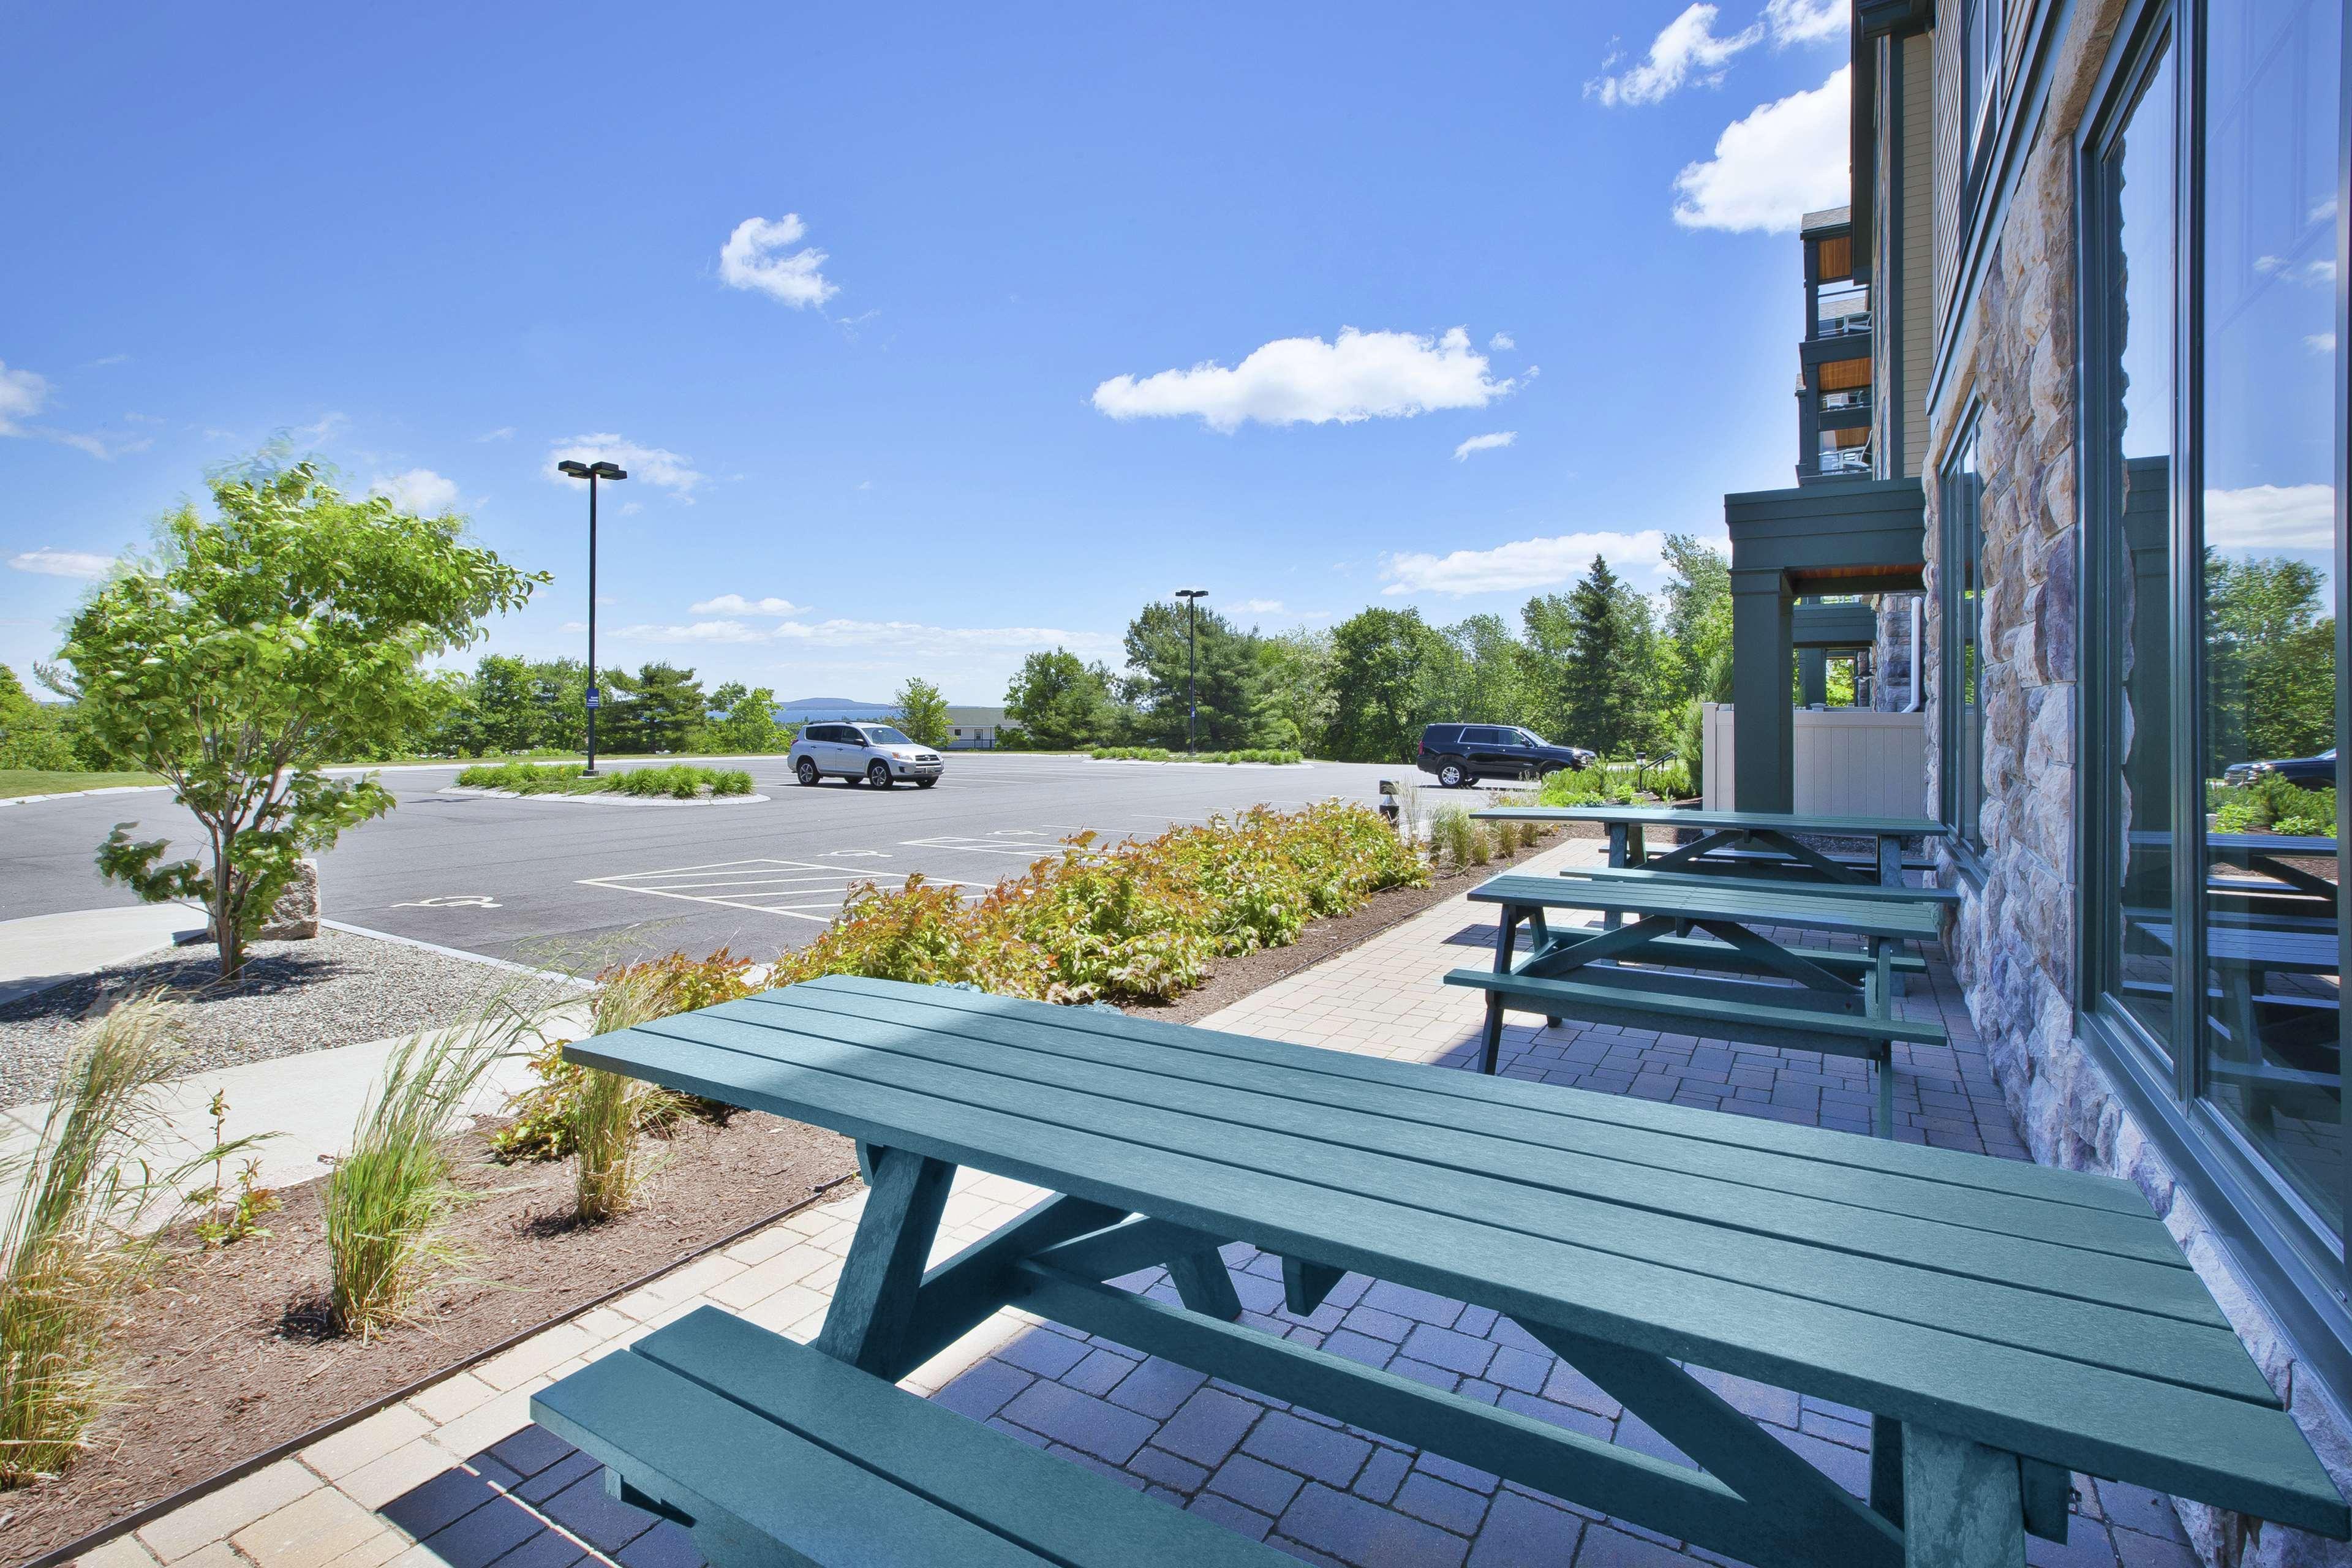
<point x="2268" y="592"/>
<point x="2138" y="185"/>
<point x="1963" y="505"/>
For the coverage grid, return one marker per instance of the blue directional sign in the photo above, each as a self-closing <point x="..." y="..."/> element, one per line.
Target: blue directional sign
<point x="592" y="697"/>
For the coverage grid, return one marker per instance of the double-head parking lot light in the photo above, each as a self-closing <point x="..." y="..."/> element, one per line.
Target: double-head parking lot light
<point x="592" y="473"/>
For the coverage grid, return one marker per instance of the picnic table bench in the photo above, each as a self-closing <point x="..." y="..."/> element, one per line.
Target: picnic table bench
<point x="1744" y="843"/>
<point x="1837" y="1003"/>
<point x="2005" y="1323"/>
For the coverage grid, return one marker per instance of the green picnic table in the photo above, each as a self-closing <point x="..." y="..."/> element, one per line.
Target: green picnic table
<point x="1840" y="1003"/>
<point x="2007" y="1323"/>
<point x="1755" y="842"/>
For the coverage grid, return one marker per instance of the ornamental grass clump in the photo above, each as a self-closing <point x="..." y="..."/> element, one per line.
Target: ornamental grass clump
<point x="1452" y="832"/>
<point x="546" y="1115"/>
<point x="388" y="1202"/>
<point x="67" y="1257"/>
<point x="609" y="1111"/>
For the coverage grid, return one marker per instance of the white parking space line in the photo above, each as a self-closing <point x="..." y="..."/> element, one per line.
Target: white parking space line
<point x="800" y="888"/>
<point x="1026" y="842"/>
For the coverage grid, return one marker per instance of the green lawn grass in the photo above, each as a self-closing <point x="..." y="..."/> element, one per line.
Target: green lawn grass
<point x="38" y="781"/>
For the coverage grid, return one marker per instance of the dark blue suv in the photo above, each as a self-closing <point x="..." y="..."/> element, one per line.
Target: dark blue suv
<point x="1462" y="754"/>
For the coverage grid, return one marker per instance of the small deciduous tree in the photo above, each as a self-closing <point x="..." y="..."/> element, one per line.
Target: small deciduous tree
<point x="922" y="713"/>
<point x="1061" y="702"/>
<point x="746" y="722"/>
<point x="284" y="634"/>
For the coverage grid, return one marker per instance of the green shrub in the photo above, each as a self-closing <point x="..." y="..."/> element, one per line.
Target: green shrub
<point x="523" y="778"/>
<point x="1137" y="919"/>
<point x="2271" y="805"/>
<point x="678" y="781"/>
<point x="1163" y="754"/>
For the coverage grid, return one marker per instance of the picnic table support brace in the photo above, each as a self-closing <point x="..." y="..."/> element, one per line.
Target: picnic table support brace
<point x="1765" y="1529"/>
<point x="1962" y="1502"/>
<point x="873" y="1304"/>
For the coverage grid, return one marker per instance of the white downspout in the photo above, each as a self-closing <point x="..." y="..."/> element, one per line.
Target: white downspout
<point x="1918" y="659"/>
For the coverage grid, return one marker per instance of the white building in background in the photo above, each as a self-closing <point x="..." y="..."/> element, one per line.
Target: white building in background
<point x="975" y="729"/>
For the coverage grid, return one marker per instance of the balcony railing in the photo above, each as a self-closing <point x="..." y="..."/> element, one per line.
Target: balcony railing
<point x="1845" y="460"/>
<point x="1843" y="326"/>
<point x="1851" y="398"/>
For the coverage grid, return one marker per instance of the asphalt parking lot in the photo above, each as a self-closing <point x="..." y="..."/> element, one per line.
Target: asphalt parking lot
<point x="566" y="881"/>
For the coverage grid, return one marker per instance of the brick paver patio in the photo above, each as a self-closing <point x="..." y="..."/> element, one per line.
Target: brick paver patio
<point x="458" y="1475"/>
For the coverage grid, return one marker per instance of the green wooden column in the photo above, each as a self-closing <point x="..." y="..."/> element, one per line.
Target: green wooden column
<point x="1764" y="731"/>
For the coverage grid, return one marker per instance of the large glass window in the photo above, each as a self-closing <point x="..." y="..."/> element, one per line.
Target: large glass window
<point x="2135" y="190"/>
<point x="1962" y="500"/>
<point x="1980" y="46"/>
<point x="2212" y="413"/>
<point x="2267" y="590"/>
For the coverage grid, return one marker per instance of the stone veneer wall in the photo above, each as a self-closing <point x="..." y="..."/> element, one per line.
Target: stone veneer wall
<point x="1891" y="659"/>
<point x="2014" y="942"/>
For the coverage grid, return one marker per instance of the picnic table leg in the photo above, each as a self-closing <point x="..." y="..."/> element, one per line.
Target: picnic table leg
<point x="1885" y="982"/>
<point x="1886" y="1469"/>
<point x="1962" y="1504"/>
<point x="1490" y="1043"/>
<point x="873" y="1302"/>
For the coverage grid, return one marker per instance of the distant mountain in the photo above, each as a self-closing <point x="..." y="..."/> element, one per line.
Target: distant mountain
<point x="808" y="709"/>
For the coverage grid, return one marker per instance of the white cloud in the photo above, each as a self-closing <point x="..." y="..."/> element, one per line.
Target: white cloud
<point x="573" y="626"/>
<point x="1361" y="375"/>
<point x="419" y="490"/>
<point x="1522" y="566"/>
<point x="1502" y="341"/>
<point x="753" y="258"/>
<point x="2319" y="274"/>
<point x="1784" y="160"/>
<point x="1487" y="443"/>
<point x="1805" y="21"/>
<point x="2320" y="342"/>
<point x="503" y="433"/>
<point x="23" y="394"/>
<point x="1260" y="606"/>
<point x="1686" y="50"/>
<point x="62" y="562"/>
<point x="326" y="428"/>
<point x="736" y="605"/>
<point x="896" y="637"/>
<point x="2271" y="516"/>
<point x="652" y="464"/>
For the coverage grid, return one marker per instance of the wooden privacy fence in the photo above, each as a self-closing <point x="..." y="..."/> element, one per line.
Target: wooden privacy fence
<point x="1851" y="761"/>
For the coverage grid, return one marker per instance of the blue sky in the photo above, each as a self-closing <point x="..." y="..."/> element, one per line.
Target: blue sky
<point x="931" y="336"/>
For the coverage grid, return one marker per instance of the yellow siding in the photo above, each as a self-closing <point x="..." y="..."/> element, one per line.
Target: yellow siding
<point x="1918" y="244"/>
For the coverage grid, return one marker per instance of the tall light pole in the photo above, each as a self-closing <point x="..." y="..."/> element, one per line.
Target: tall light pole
<point x="1192" y="701"/>
<point x="592" y="473"/>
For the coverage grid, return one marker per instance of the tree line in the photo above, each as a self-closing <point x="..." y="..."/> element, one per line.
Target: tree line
<point x="1602" y="666"/>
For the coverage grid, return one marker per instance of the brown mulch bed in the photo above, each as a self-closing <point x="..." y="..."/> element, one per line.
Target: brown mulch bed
<point x="1234" y="978"/>
<point x="227" y="1345"/>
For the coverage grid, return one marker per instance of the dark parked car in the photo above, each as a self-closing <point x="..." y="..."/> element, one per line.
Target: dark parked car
<point x="1464" y="753"/>
<point x="2310" y="772"/>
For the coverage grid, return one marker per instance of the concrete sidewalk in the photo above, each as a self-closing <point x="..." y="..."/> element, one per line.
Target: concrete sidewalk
<point x="41" y="951"/>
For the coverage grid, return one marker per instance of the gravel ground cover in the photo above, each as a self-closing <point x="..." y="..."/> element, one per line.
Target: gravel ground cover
<point x="337" y="989"/>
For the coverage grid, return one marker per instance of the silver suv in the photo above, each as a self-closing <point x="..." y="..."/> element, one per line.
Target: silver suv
<point x="878" y="753"/>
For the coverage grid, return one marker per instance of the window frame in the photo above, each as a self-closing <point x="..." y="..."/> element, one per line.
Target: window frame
<point x="1961" y="538"/>
<point x="2300" y="1271"/>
